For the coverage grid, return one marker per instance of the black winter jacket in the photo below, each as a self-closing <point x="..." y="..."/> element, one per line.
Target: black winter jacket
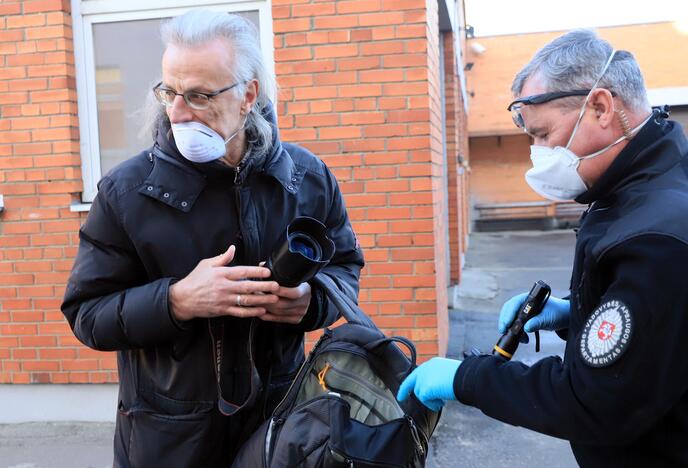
<point x="154" y="218"/>
<point x="621" y="393"/>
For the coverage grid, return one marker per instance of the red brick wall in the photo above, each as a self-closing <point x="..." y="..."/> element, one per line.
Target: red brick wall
<point x="359" y="86"/>
<point x="40" y="173"/>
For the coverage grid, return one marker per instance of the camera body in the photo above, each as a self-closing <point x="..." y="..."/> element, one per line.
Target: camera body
<point x="304" y="250"/>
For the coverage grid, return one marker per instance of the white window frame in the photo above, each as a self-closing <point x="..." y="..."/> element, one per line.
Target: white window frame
<point x="86" y="13"/>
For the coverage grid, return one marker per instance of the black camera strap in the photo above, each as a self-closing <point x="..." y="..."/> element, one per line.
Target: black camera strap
<point x="216" y="328"/>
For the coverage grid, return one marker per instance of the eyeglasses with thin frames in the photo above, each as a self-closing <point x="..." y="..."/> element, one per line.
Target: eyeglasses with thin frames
<point x="194" y="99"/>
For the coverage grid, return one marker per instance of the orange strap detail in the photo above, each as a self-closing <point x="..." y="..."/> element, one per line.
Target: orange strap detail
<point x="321" y="376"/>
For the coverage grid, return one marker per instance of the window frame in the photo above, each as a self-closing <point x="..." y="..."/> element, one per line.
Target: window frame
<point x="87" y="13"/>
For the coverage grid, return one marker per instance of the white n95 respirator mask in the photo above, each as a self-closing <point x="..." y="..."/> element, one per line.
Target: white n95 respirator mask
<point x="199" y="143"/>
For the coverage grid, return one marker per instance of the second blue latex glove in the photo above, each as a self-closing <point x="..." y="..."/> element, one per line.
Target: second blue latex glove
<point x="554" y="316"/>
<point x="432" y="382"/>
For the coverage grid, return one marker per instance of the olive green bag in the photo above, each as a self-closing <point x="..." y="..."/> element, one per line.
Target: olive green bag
<point x="341" y="409"/>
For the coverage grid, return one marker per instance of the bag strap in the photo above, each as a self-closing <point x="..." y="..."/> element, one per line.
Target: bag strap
<point x="397" y="339"/>
<point x="346" y="306"/>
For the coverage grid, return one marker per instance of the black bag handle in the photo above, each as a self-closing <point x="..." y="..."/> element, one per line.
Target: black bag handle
<point x="349" y="310"/>
<point x="395" y="339"/>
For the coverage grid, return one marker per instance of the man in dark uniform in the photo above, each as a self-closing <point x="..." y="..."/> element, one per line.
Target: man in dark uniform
<point x="620" y="396"/>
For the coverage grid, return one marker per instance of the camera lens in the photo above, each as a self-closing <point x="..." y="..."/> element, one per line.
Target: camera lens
<point x="305" y="245"/>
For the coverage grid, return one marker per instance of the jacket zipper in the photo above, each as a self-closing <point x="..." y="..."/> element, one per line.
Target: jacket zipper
<point x="237" y="170"/>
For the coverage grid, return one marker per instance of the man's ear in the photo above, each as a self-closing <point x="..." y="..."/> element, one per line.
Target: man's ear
<point x="602" y="102"/>
<point x="250" y="96"/>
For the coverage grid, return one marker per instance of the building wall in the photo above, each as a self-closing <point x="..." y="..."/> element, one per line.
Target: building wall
<point x="498" y="165"/>
<point x="41" y="176"/>
<point x="359" y="87"/>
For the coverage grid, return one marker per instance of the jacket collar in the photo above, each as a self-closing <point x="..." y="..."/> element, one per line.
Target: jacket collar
<point x="648" y="154"/>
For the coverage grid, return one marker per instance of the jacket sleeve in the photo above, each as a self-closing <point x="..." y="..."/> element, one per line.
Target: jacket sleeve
<point x="109" y="302"/>
<point x="613" y="404"/>
<point x="344" y="268"/>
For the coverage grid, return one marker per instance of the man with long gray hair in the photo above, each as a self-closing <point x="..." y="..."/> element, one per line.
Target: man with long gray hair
<point x="620" y="395"/>
<point x="169" y="271"/>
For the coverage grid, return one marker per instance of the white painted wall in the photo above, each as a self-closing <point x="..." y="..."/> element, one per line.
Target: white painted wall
<point x="55" y="402"/>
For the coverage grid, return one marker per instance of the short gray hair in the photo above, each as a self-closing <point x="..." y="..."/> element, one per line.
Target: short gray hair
<point x="575" y="61"/>
<point x="198" y="27"/>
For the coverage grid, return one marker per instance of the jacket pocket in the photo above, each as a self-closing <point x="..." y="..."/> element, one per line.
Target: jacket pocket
<point x="168" y="432"/>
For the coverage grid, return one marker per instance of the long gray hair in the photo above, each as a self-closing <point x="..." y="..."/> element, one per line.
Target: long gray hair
<point x="575" y="60"/>
<point x="197" y="27"/>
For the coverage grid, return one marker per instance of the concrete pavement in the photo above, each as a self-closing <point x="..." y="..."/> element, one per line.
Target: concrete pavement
<point x="498" y="266"/>
<point x="56" y="445"/>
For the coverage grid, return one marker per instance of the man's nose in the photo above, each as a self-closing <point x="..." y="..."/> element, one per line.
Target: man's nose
<point x="537" y="141"/>
<point x="179" y="111"/>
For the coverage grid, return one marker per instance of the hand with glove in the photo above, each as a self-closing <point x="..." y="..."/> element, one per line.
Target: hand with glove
<point x="432" y="382"/>
<point x="554" y="316"/>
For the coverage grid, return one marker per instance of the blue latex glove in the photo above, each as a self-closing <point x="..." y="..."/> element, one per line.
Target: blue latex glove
<point x="554" y="316"/>
<point x="432" y="382"/>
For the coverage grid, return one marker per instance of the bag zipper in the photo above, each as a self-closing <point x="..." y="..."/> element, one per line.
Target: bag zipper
<point x="326" y="335"/>
<point x="415" y="433"/>
<point x="372" y="388"/>
<point x="351" y="462"/>
<point x="267" y="452"/>
<point x="275" y="422"/>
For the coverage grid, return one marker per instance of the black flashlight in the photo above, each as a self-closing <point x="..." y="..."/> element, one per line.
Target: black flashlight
<point x="305" y="249"/>
<point x="536" y="300"/>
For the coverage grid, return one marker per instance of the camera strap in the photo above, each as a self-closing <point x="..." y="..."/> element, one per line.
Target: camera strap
<point x="216" y="328"/>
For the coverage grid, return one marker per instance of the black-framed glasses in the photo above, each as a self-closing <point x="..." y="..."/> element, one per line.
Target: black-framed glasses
<point x="194" y="99"/>
<point x="547" y="97"/>
<point x="515" y="106"/>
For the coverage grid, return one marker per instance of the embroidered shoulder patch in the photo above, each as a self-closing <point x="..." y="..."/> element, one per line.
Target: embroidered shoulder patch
<point x="606" y="334"/>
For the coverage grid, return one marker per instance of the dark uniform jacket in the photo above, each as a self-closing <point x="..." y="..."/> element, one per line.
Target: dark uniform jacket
<point x="621" y="393"/>
<point x="154" y="218"/>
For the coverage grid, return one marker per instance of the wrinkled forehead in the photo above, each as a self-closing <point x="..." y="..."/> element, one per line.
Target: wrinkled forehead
<point x="209" y="63"/>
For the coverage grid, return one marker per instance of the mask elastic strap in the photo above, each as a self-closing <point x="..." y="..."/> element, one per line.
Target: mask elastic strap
<point x="237" y="131"/>
<point x="622" y="138"/>
<point x="587" y="98"/>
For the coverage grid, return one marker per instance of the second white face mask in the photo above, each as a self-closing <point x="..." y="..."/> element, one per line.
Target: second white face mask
<point x="554" y="174"/>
